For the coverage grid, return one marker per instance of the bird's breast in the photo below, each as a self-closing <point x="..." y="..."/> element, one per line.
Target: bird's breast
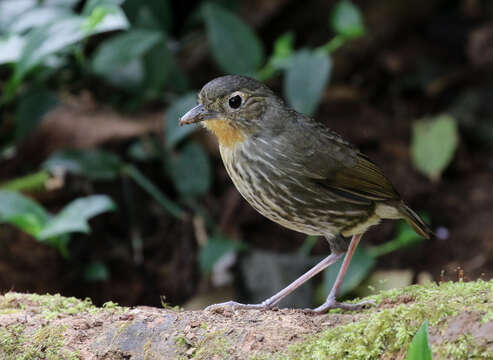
<point x="272" y="191"/>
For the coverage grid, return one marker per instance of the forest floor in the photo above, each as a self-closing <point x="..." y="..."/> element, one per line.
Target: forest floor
<point x="51" y="326"/>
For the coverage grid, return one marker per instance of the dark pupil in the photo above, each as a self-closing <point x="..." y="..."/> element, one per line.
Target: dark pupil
<point x="235" y="102"/>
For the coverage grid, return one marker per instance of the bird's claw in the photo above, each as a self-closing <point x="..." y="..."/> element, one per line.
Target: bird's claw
<point x="233" y="305"/>
<point x="332" y="304"/>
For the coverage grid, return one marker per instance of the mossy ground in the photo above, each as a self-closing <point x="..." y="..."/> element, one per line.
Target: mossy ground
<point x="390" y="327"/>
<point x="47" y="340"/>
<point x="460" y="315"/>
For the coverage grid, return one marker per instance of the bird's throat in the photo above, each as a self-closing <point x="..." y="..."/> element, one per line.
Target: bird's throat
<point x="227" y="135"/>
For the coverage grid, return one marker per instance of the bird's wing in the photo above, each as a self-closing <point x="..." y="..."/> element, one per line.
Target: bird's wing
<point x="363" y="179"/>
<point x="337" y="166"/>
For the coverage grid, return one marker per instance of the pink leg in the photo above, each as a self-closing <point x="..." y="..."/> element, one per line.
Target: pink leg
<point x="275" y="299"/>
<point x="331" y="302"/>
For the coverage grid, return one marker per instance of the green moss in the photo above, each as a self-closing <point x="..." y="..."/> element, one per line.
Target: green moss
<point x="48" y="341"/>
<point x="214" y="344"/>
<point x="110" y="305"/>
<point x="9" y="311"/>
<point x="180" y="340"/>
<point x="388" y="330"/>
<point x="45" y="343"/>
<point x="167" y="306"/>
<point x="11" y="338"/>
<point x="463" y="348"/>
<point x="50" y="306"/>
<point x="9" y="304"/>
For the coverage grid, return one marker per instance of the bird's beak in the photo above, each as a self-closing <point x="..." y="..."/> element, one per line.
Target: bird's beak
<point x="197" y="114"/>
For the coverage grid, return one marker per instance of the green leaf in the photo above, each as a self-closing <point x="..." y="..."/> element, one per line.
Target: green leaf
<point x="47" y="40"/>
<point x="174" y="132"/>
<point x="433" y="146"/>
<point x="103" y="15"/>
<point x="60" y="243"/>
<point x="93" y="164"/>
<point x="10" y="11"/>
<point x="283" y="49"/>
<point x="145" y="19"/>
<point x="96" y="271"/>
<point x="56" y="36"/>
<point x="31" y="109"/>
<point x="38" y="16"/>
<point x="160" y="9"/>
<point x="216" y="247"/>
<point x="61" y="3"/>
<point x="346" y="20"/>
<point x="116" y="56"/>
<point x="306" y="80"/>
<point x="91" y="5"/>
<point x="359" y="268"/>
<point x="405" y="237"/>
<point x="308" y="245"/>
<point x="11" y="47"/>
<point x="18" y="210"/>
<point x="29" y="182"/>
<point x="157" y="67"/>
<point x="74" y="217"/>
<point x="281" y="57"/>
<point x="191" y="171"/>
<point x="419" y="348"/>
<point x="235" y="47"/>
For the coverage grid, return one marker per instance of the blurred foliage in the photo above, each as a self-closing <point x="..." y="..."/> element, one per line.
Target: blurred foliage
<point x="103" y="165"/>
<point x="346" y="20"/>
<point x="137" y="56"/>
<point x="128" y="49"/>
<point x="234" y="45"/>
<point x="45" y="33"/>
<point x="53" y="230"/>
<point x="419" y="349"/>
<point x="360" y="266"/>
<point x="96" y="271"/>
<point x="217" y="247"/>
<point x="364" y="260"/>
<point x="433" y="144"/>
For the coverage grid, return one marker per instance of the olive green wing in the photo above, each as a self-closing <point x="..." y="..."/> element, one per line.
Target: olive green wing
<point x="335" y="164"/>
<point x="363" y="179"/>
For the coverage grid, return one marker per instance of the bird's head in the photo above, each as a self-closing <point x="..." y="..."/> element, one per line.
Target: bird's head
<point x="233" y="107"/>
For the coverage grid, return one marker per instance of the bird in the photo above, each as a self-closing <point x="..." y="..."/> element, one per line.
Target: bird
<point x="298" y="173"/>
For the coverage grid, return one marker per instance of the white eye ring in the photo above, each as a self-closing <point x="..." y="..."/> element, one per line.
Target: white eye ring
<point x="235" y="101"/>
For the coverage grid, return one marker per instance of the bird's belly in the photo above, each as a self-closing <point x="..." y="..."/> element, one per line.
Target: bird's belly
<point x="273" y="196"/>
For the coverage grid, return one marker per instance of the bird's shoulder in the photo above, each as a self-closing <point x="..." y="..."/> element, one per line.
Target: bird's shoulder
<point x="326" y="158"/>
<point x="318" y="147"/>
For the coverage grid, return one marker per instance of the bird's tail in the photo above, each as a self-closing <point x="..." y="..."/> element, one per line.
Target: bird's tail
<point x="413" y="219"/>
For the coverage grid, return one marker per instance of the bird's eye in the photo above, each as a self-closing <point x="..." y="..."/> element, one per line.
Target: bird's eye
<point x="235" y="102"/>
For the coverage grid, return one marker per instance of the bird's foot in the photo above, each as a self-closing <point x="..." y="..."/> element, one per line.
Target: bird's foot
<point x="331" y="303"/>
<point x="233" y="305"/>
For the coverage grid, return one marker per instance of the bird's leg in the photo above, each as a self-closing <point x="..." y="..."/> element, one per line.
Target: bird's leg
<point x="275" y="299"/>
<point x="331" y="302"/>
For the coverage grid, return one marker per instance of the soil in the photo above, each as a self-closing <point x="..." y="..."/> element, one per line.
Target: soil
<point x="460" y="316"/>
<point x="178" y="333"/>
